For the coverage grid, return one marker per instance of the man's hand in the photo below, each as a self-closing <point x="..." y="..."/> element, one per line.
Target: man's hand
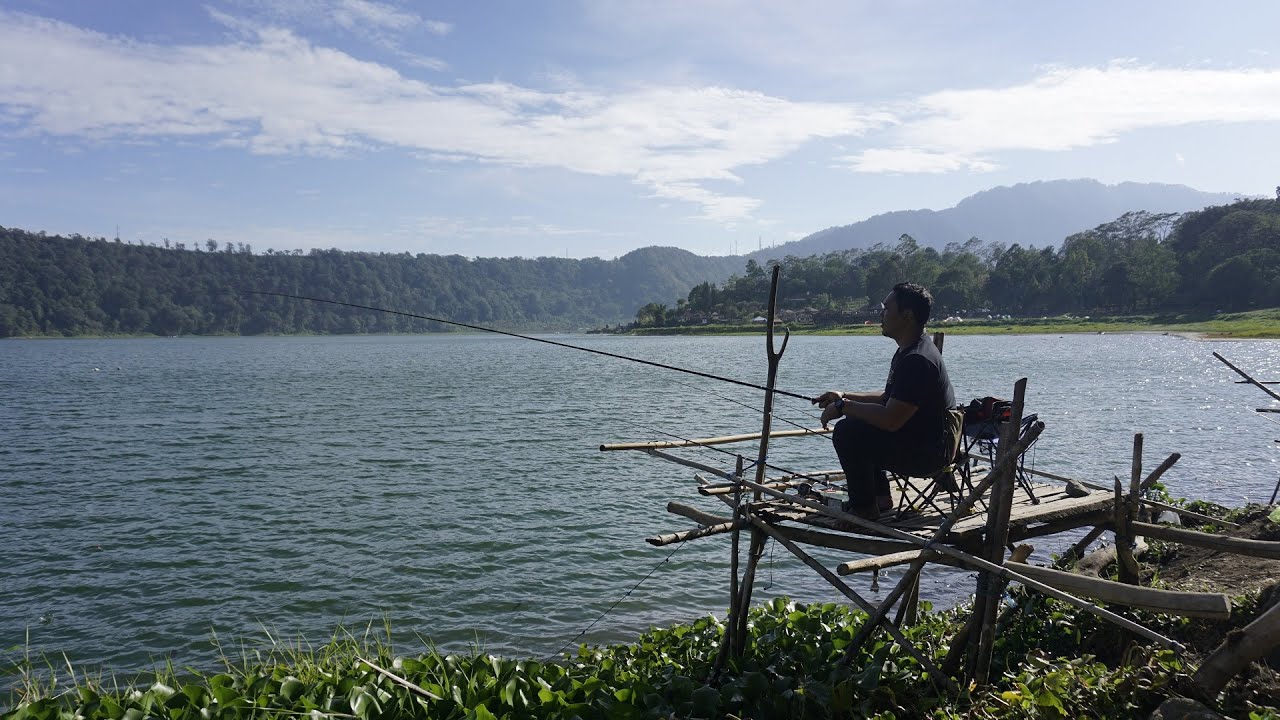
<point x="827" y="398"/>
<point x="831" y="411"/>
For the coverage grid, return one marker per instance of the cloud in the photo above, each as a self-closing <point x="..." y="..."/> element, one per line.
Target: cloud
<point x="276" y="93"/>
<point x="910" y="160"/>
<point x="1067" y="108"/>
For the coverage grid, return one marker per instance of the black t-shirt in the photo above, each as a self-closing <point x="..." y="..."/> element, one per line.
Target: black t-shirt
<point x="918" y="376"/>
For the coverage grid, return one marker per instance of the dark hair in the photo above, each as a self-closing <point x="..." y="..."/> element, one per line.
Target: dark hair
<point x="915" y="298"/>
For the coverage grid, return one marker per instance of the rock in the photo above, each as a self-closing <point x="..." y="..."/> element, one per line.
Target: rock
<point x="1075" y="489"/>
<point x="1184" y="709"/>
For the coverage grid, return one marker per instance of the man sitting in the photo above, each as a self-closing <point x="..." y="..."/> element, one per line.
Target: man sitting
<point x="907" y="427"/>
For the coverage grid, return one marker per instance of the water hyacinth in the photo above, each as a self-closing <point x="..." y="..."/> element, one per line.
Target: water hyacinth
<point x="791" y="669"/>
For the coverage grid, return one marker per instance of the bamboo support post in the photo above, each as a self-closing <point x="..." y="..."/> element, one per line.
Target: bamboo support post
<point x="774" y="356"/>
<point x="935" y="674"/>
<point x="1127" y="565"/>
<point x="990" y="588"/>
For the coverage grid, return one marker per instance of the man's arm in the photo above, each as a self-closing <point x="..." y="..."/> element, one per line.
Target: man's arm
<point x="866" y="397"/>
<point x="890" y="416"/>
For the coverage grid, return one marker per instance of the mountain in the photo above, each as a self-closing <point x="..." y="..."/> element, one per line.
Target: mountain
<point x="1034" y="214"/>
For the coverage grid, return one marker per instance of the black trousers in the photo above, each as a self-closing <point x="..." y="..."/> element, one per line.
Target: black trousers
<point x="866" y="452"/>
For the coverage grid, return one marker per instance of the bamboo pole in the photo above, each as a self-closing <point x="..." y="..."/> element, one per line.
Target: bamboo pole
<point x="1269" y="549"/>
<point x="1247" y="377"/>
<point x="935" y="674"/>
<point x="1238" y="650"/>
<point x="1126" y="563"/>
<point x="697" y="515"/>
<point x="990" y="589"/>
<point x="721" y="440"/>
<point x="757" y="538"/>
<point x="691" y="463"/>
<point x="694" y="534"/>
<point x="974" y="562"/>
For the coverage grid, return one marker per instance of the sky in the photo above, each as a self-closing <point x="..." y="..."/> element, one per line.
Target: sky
<point x="581" y="129"/>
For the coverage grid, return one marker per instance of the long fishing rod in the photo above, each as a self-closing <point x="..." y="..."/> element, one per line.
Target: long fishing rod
<point x="535" y="339"/>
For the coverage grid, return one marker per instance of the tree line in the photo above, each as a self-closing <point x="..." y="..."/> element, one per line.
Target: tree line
<point x="53" y="285"/>
<point x="1223" y="258"/>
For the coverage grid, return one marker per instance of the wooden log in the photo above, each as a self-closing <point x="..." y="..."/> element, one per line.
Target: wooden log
<point x="1237" y="650"/>
<point x="669" y="538"/>
<point x="1238" y="546"/>
<point x="697" y="515"/>
<point x="1094" y="562"/>
<point x="934" y="673"/>
<point x="722" y="440"/>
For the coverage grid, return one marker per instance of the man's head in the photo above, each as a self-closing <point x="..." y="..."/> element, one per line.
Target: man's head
<point x="906" y="309"/>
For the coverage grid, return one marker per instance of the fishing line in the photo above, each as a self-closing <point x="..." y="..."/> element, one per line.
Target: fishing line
<point x="535" y="339"/>
<point x="775" y="416"/>
<point x="617" y="602"/>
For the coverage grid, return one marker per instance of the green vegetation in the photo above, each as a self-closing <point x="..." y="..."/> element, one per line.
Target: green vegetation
<point x="1050" y="661"/>
<point x="1222" y="259"/>
<point x="56" y="286"/>
<point x="1140" y="269"/>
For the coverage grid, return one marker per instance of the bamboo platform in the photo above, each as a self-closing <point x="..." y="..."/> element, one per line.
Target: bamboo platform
<point x="1055" y="507"/>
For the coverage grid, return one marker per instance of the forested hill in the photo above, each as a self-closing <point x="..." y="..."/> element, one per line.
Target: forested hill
<point x="1034" y="214"/>
<point x="1223" y="258"/>
<point x="51" y="285"/>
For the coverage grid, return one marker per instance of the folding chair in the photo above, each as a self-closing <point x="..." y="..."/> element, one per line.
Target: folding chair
<point x="917" y="493"/>
<point x="982" y="442"/>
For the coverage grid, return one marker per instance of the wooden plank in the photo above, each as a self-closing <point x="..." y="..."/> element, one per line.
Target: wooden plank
<point x="722" y="440"/>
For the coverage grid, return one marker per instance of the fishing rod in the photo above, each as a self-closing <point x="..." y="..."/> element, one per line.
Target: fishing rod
<point x="535" y="339"/>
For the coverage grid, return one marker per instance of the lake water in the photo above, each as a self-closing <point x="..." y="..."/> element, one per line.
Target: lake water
<point x="157" y="490"/>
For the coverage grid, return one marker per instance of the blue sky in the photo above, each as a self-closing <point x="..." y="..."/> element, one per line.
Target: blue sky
<point x="592" y="128"/>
